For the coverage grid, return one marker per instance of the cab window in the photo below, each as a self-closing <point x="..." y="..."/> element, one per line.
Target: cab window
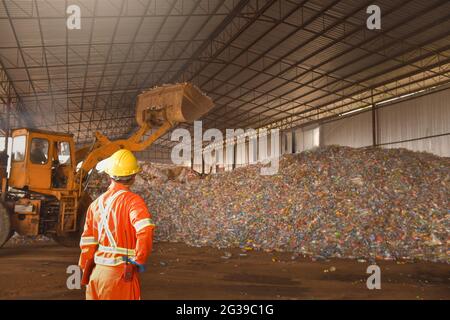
<point x="64" y="153"/>
<point x="18" y="149"/>
<point x="39" y="151"/>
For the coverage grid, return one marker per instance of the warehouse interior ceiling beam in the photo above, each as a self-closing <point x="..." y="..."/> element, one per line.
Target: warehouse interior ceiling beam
<point x="271" y="63"/>
<point x="13" y="113"/>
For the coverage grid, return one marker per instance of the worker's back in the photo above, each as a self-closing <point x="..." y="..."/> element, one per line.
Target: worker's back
<point x="117" y="218"/>
<point x="117" y="236"/>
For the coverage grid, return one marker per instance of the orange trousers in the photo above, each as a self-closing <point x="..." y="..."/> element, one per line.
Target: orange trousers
<point x="107" y="283"/>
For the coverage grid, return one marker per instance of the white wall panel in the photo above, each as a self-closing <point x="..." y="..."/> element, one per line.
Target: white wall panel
<point x="286" y="142"/>
<point x="307" y="138"/>
<point x="415" y="118"/>
<point x="354" y="131"/>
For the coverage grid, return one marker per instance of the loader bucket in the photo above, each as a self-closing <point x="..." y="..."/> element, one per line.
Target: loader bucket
<point x="182" y="102"/>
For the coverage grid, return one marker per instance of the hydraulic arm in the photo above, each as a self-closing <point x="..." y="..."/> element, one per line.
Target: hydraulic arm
<point x="162" y="108"/>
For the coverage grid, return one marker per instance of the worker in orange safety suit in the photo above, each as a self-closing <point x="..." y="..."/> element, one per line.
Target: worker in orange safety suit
<point x="117" y="235"/>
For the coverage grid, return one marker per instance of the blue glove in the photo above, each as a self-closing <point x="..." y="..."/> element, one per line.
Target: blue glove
<point x="141" y="267"/>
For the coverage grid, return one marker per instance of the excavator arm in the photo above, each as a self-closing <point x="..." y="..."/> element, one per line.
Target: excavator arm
<point x="162" y="108"/>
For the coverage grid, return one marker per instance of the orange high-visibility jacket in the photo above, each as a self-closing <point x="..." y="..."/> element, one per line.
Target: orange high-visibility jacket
<point x="117" y="224"/>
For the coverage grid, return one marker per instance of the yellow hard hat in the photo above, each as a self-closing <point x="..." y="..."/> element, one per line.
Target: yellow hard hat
<point x="122" y="163"/>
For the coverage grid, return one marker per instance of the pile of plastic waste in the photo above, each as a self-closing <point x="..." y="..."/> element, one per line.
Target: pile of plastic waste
<point x="328" y="202"/>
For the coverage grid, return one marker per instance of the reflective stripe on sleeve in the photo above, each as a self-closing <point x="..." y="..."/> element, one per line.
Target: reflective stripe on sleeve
<point x="88" y="241"/>
<point x="141" y="224"/>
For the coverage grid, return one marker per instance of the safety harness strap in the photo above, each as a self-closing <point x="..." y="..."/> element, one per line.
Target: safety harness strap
<point x="104" y="217"/>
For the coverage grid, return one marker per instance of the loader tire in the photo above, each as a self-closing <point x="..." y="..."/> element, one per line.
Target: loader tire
<point x="72" y="239"/>
<point x="5" y="225"/>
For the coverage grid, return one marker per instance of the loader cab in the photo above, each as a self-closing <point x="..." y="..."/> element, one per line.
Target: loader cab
<point x="41" y="160"/>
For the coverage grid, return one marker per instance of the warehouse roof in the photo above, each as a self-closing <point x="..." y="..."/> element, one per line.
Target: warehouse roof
<point x="265" y="63"/>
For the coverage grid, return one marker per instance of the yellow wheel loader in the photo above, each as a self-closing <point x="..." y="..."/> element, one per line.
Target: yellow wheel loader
<point x="45" y="192"/>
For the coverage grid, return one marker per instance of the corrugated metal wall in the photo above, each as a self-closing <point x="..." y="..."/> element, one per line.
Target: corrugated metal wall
<point x="424" y="116"/>
<point x="354" y="131"/>
<point x="415" y="118"/>
<point x="418" y="117"/>
<point x="307" y="138"/>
